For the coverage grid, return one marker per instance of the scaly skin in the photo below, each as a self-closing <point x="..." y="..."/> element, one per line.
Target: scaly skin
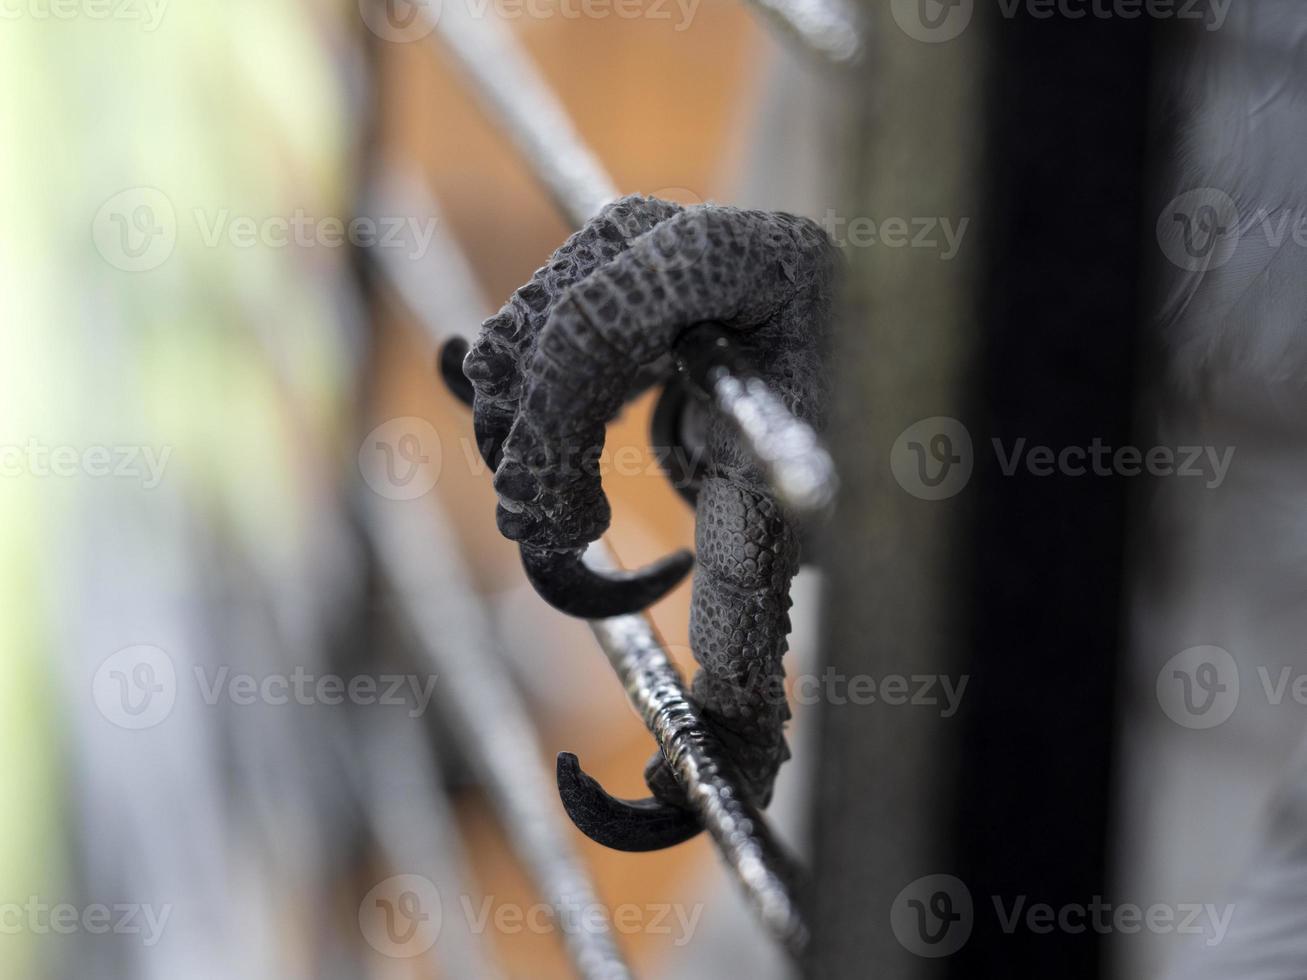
<point x="594" y="327"/>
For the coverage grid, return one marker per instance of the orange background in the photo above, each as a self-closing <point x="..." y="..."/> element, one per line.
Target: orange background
<point x="660" y="108"/>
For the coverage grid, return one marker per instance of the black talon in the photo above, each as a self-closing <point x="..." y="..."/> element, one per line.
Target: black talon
<point x="451" y="369"/>
<point x="624" y="825"/>
<point x="564" y="581"/>
<point x="681" y="459"/>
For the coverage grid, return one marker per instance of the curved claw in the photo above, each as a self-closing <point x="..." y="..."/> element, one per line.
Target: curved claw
<point x="451" y="369"/>
<point x="680" y="463"/>
<point x="624" y="825"/>
<point x="564" y="581"/>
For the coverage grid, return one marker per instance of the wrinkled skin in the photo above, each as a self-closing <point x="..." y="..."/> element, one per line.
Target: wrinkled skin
<point x="593" y="328"/>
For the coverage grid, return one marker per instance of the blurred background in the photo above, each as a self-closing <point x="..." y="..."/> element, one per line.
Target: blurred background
<point x="257" y="618"/>
<point x="190" y="177"/>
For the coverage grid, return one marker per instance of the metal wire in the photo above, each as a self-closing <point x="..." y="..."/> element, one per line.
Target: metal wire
<point x="793" y="461"/>
<point x="419" y="555"/>
<point x="654" y="685"/>
<point x="523" y="104"/>
<point x="488" y="716"/>
<point x="826" y="28"/>
<point x="788" y="450"/>
<point x="397" y="781"/>
<point x="630" y="643"/>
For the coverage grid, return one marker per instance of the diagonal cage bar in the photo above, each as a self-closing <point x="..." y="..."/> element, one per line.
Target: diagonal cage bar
<point x="523" y="105"/>
<point x="788" y="450"/>
<point x="452" y="630"/>
<point x="764" y="872"/>
<point x="790" y="454"/>
<point x="828" y="29"/>
<point x="654" y="686"/>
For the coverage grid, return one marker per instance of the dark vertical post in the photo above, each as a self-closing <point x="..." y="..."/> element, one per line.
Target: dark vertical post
<point x="1062" y="301"/>
<point x="1035" y="129"/>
